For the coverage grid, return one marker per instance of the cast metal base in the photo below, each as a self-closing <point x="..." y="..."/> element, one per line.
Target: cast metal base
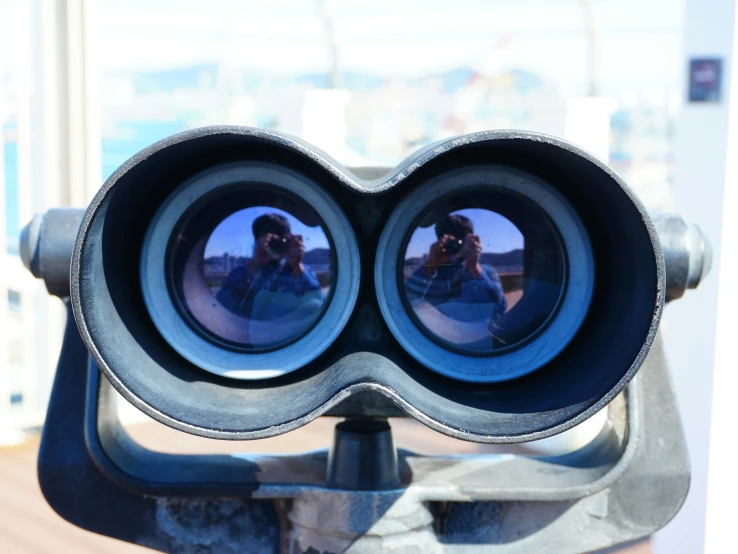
<point x="626" y="484"/>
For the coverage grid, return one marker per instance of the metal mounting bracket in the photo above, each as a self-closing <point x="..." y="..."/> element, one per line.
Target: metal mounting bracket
<point x="627" y="483"/>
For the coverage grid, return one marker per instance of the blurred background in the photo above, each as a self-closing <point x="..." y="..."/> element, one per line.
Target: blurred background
<point x="85" y="84"/>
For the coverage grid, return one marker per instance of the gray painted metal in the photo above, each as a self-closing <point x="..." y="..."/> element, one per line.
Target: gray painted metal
<point x="555" y="334"/>
<point x="365" y="357"/>
<point x="491" y="505"/>
<point x="204" y="353"/>
<point x="687" y="253"/>
<point x="363" y="456"/>
<point x="626" y="484"/>
<point x="46" y="247"/>
<point x="377" y="372"/>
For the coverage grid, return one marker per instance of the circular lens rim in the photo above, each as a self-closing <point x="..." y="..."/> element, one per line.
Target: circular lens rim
<point x="501" y="350"/>
<point x="203" y="352"/>
<point x="174" y="289"/>
<point x="546" y="342"/>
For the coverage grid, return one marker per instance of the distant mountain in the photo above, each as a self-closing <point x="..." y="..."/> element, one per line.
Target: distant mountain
<point x="206" y="75"/>
<point x="317" y="256"/>
<point x="512" y="258"/>
<point x="193" y="77"/>
<point x="453" y="79"/>
<point x="507" y="260"/>
<point x="356" y="82"/>
<point x="525" y="80"/>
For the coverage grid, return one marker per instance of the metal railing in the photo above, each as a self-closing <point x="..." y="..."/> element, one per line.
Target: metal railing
<point x="31" y="328"/>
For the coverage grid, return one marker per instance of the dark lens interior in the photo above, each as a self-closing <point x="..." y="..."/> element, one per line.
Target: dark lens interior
<point x="483" y="271"/>
<point x="252" y="269"/>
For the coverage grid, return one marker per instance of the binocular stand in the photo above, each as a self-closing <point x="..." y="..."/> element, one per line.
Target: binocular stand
<point x="362" y="495"/>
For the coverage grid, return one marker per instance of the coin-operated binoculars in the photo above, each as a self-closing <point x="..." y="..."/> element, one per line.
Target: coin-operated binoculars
<point x="500" y="287"/>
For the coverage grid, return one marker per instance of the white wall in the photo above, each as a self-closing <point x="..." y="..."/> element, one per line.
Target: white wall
<point x="690" y="324"/>
<point x="58" y="164"/>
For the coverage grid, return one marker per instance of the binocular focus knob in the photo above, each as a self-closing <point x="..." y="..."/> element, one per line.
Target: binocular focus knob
<point x="687" y="253"/>
<point x="47" y="241"/>
<point x="46" y="246"/>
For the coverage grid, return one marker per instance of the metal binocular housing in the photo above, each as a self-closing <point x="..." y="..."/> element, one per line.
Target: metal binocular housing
<point x="499" y="287"/>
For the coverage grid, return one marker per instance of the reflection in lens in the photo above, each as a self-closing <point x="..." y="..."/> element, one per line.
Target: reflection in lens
<point x="257" y="277"/>
<point x="483" y="271"/>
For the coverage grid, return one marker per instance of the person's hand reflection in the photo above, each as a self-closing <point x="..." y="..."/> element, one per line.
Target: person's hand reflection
<point x="472" y="251"/>
<point x="438" y="255"/>
<point x="295" y="253"/>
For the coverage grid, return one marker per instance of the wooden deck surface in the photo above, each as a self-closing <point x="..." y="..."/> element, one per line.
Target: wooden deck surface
<point x="29" y="526"/>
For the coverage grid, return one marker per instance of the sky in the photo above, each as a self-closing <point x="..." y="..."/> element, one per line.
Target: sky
<point x="497" y="233"/>
<point x="639" y="41"/>
<point x="233" y="234"/>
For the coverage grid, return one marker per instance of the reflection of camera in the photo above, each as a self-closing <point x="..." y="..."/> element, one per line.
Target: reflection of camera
<point x="279" y="245"/>
<point x="453" y="245"/>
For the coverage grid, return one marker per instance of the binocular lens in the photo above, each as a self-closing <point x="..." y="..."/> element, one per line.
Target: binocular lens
<point x="257" y="277"/>
<point x="483" y="271"/>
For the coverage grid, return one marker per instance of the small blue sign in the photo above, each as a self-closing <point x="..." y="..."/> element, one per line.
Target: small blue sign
<point x="705" y="79"/>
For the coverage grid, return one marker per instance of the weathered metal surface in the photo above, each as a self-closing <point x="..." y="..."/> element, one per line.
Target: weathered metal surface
<point x="450" y="478"/>
<point x="687" y="253"/>
<point x="627" y="483"/>
<point x="363" y="456"/>
<point x="591" y="499"/>
<point x="143" y="367"/>
<point x="359" y="522"/>
<point x="218" y="526"/>
<point x="46" y="247"/>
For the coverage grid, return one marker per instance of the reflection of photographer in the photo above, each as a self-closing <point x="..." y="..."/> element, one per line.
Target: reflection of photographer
<point x="453" y="272"/>
<point x="276" y="266"/>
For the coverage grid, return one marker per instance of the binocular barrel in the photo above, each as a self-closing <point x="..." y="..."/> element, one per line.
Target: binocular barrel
<point x="499" y="287"/>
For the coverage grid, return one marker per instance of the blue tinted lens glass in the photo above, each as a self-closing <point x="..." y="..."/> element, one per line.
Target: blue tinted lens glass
<point x="256" y="278"/>
<point x="483" y="272"/>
